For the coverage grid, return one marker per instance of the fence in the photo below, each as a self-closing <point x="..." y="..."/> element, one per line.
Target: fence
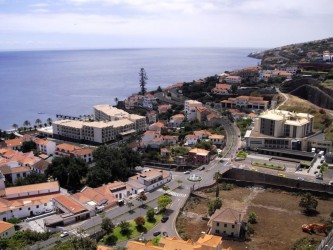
<point x="324" y="244"/>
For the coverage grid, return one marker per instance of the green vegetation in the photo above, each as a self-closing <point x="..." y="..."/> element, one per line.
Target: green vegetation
<point x="242" y="154"/>
<point x="163" y="201"/>
<point x="309" y="203"/>
<point x="156" y="240"/>
<point x="32" y="178"/>
<point x="252" y="218"/>
<point x="306" y="243"/>
<point x="76" y="243"/>
<point x="243" y="125"/>
<point x="212" y="206"/>
<point x="129" y="229"/>
<point x="271" y="166"/>
<point x="28" y="146"/>
<point x="21" y="239"/>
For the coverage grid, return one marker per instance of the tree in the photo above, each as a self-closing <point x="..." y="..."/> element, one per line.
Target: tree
<point x="15" y="126"/>
<point x="38" y="122"/>
<point x="217" y="203"/>
<point x="69" y="171"/>
<point x="141" y="197"/>
<point x="150" y="215"/>
<point x="125" y="228"/>
<point x="49" y="121"/>
<point x="140" y="221"/>
<point x="308" y="203"/>
<point x="252" y="218"/>
<point x="217" y="191"/>
<point x="116" y="100"/>
<point x="130" y="205"/>
<point x="165" y="188"/>
<point x="32" y="178"/>
<point x="110" y="240"/>
<point x="217" y="176"/>
<point x="163" y="201"/>
<point x="107" y="225"/>
<point x="26" y="124"/>
<point x="28" y="146"/>
<point x="143" y="81"/>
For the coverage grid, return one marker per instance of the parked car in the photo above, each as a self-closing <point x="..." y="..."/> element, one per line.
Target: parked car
<point x="164" y="219"/>
<point x="165" y="234"/>
<point x="157" y="233"/>
<point x="202" y="168"/>
<point x="187" y="172"/>
<point x="64" y="234"/>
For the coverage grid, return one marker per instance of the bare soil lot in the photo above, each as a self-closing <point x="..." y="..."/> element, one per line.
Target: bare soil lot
<point x="279" y="217"/>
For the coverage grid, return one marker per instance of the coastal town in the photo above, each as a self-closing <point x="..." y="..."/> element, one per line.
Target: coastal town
<point x="217" y="163"/>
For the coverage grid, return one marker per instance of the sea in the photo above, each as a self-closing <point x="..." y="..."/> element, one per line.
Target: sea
<point x="40" y="84"/>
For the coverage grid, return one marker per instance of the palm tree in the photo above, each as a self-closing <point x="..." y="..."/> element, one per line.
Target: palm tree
<point x="49" y="121"/>
<point x="217" y="176"/>
<point x="308" y="202"/>
<point x="38" y="122"/>
<point x="26" y="124"/>
<point x="15" y="126"/>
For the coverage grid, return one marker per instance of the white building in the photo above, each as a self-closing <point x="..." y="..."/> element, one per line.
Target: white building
<point x="152" y="178"/>
<point x="176" y="120"/>
<point x="45" y="146"/>
<point x="233" y="79"/>
<point x="191" y="140"/>
<point x="190" y="109"/>
<point x="221" y="89"/>
<point x="7" y="230"/>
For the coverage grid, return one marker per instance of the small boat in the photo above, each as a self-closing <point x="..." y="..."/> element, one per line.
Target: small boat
<point x="41" y="113"/>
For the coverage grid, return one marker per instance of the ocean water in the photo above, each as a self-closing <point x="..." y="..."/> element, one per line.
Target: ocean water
<point x="71" y="82"/>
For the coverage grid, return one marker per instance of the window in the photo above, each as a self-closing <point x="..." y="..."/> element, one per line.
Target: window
<point x="233" y="226"/>
<point x="217" y="224"/>
<point x="225" y="225"/>
<point x="37" y="206"/>
<point x="28" y="208"/>
<point x="45" y="204"/>
<point x="20" y="208"/>
<point x="217" y="231"/>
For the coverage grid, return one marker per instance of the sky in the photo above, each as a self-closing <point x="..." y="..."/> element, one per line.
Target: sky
<point x="80" y="24"/>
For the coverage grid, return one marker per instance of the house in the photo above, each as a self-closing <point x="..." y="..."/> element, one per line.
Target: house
<point x="233" y="79"/>
<point x="202" y="134"/>
<point x="191" y="139"/>
<point x="249" y="102"/>
<point x="151" y="117"/>
<point x="40" y="166"/>
<point x="221" y="89"/>
<point x="216" y="139"/>
<point x="15" y="144"/>
<point x="176" y="120"/>
<point x="201" y="113"/>
<point x="226" y="221"/>
<point x="164" y="152"/>
<point x="13" y="173"/>
<point x="7" y="230"/>
<point x="205" y="242"/>
<point x="148" y="136"/>
<point x="65" y="149"/>
<point x="190" y="109"/>
<point x="198" y="156"/>
<point x="163" y="108"/>
<point x="85" y="154"/>
<point x="170" y="139"/>
<point x="45" y="146"/>
<point x="157" y="126"/>
<point x="151" y="178"/>
<point x="28" y="200"/>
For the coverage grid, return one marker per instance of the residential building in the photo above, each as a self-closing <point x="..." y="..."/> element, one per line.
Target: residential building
<point x="176" y="120"/>
<point x="205" y="242"/>
<point x="170" y="140"/>
<point x="151" y="178"/>
<point x="148" y="136"/>
<point x="15" y="144"/>
<point x="7" y="230"/>
<point x="191" y="139"/>
<point x="248" y="102"/>
<point x="85" y="154"/>
<point x="65" y="149"/>
<point x="105" y="112"/>
<point x="190" y="109"/>
<point x="226" y="222"/>
<point x="327" y="56"/>
<point x="216" y="139"/>
<point x="199" y="156"/>
<point x="13" y="173"/>
<point x="28" y="200"/>
<point x="45" y="146"/>
<point x="221" y="89"/>
<point x="233" y="79"/>
<point x="201" y="113"/>
<point x="163" y="108"/>
<point x="40" y="167"/>
<point x="151" y="117"/>
<point x="157" y="126"/>
<point x="202" y="134"/>
<point x="249" y="72"/>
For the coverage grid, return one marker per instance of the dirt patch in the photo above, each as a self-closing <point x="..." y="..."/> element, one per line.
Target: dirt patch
<point x="278" y="215"/>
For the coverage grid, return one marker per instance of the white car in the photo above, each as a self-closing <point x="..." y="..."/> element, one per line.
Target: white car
<point x="187" y="172"/>
<point x="64" y="234"/>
